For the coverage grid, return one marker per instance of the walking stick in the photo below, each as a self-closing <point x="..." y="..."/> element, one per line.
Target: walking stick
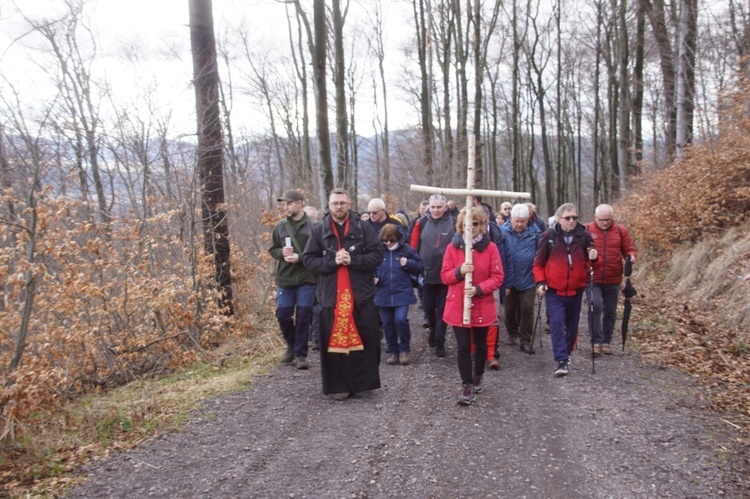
<point x="591" y="318"/>
<point x="536" y="323"/>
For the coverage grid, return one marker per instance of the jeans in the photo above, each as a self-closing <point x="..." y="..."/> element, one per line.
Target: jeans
<point x="464" y="337"/>
<point x="519" y="314"/>
<point x="294" y="307"/>
<point x="564" y="314"/>
<point x="396" y="328"/>
<point x="605" y="300"/>
<point x="433" y="299"/>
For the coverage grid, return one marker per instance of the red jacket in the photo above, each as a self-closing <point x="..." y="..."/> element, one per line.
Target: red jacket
<point x="487" y="277"/>
<point x="551" y="264"/>
<point x="613" y="245"/>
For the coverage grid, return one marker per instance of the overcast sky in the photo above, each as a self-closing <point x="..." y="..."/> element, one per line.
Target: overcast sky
<point x="158" y="28"/>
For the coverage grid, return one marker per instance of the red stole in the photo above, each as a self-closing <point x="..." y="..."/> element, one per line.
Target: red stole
<point x="344" y="335"/>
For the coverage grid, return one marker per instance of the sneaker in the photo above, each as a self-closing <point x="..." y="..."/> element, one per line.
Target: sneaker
<point x="392" y="359"/>
<point x="440" y="349"/>
<point x="301" y="363"/>
<point x="403" y="358"/>
<point x="493" y="364"/>
<point x="477" y="382"/>
<point x="467" y="395"/>
<point x="562" y="369"/>
<point x="607" y="349"/>
<point x="340" y="396"/>
<point x="288" y="356"/>
<point x="597" y="350"/>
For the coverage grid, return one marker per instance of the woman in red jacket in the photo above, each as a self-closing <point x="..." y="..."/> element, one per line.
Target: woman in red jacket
<point x="487" y="276"/>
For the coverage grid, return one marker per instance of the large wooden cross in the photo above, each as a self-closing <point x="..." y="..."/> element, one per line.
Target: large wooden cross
<point x="469" y="192"/>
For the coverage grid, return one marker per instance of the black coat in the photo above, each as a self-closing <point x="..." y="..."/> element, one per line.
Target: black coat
<point x="366" y="252"/>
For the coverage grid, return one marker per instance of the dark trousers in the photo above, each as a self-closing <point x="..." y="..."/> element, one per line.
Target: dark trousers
<point x="519" y="314"/>
<point x="464" y="337"/>
<point x="294" y="310"/>
<point x="564" y="314"/>
<point x="433" y="299"/>
<point x="605" y="303"/>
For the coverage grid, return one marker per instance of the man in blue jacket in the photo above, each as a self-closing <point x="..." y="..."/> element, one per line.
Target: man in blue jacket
<point x="522" y="239"/>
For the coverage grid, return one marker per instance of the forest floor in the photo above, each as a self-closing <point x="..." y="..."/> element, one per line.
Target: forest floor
<point x="628" y="430"/>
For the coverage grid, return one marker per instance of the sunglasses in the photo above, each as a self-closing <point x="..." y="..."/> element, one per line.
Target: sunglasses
<point x="375" y="212"/>
<point x="390" y="240"/>
<point x="570" y="217"/>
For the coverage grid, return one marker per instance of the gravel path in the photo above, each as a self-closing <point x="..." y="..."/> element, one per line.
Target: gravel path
<point x="627" y="431"/>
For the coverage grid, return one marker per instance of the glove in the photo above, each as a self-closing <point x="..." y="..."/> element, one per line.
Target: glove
<point x="628" y="266"/>
<point x="541" y="289"/>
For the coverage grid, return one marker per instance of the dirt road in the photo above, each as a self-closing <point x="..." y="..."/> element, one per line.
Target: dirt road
<point x="627" y="431"/>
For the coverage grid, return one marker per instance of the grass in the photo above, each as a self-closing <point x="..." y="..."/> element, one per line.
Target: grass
<point x="44" y="460"/>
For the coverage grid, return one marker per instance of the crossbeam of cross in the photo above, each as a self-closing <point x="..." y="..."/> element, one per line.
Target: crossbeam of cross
<point x="469" y="192"/>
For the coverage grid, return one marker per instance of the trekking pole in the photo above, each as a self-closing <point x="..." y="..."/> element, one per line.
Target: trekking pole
<point x="536" y="323"/>
<point x="591" y="318"/>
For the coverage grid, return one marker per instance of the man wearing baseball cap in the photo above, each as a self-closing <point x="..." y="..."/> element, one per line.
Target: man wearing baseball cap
<point x="295" y="285"/>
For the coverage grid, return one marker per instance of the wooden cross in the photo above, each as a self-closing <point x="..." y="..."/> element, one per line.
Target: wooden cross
<point x="469" y="192"/>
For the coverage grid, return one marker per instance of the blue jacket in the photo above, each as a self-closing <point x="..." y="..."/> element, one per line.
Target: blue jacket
<point x="394" y="287"/>
<point x="520" y="259"/>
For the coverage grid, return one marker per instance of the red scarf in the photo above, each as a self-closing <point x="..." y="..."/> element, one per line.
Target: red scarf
<point x="344" y="335"/>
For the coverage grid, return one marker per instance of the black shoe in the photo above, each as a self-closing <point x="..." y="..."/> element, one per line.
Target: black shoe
<point x="562" y="369"/>
<point x="315" y="345"/>
<point x="288" y="356"/>
<point x="431" y="339"/>
<point x="440" y="349"/>
<point x="425" y="325"/>
<point x="526" y="348"/>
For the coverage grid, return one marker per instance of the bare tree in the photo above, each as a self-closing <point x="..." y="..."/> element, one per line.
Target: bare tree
<point x="210" y="162"/>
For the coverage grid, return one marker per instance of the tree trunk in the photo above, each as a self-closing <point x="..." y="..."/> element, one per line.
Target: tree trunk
<point x="210" y="145"/>
<point x="640" y="50"/>
<point x="342" y="128"/>
<point x="425" y="100"/>
<point x="686" y="74"/>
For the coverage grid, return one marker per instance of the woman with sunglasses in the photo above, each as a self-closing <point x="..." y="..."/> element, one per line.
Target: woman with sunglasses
<point x="394" y="292"/>
<point x="562" y="267"/>
<point x="487" y="276"/>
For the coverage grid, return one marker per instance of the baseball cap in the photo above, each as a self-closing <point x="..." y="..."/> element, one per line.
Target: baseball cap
<point x="291" y="196"/>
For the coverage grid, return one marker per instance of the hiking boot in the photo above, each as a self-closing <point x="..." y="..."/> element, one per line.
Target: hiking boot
<point x="512" y="341"/>
<point x="467" y="395"/>
<point x="493" y="364"/>
<point x="431" y="339"/>
<point x="562" y="369"/>
<point x="607" y="349"/>
<point x="316" y="345"/>
<point x="477" y="382"/>
<point x="597" y="350"/>
<point x="440" y="348"/>
<point x="288" y="356"/>
<point x="526" y="348"/>
<point x="403" y="358"/>
<point x="340" y="396"/>
<point x="392" y="359"/>
<point x="301" y="363"/>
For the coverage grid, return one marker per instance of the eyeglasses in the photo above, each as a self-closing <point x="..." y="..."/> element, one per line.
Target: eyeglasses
<point x="390" y="241"/>
<point x="338" y="203"/>
<point x="604" y="219"/>
<point x="570" y="217"/>
<point x="475" y="223"/>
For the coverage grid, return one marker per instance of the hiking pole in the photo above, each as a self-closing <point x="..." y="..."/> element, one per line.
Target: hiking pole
<point x="536" y="323"/>
<point x="591" y="318"/>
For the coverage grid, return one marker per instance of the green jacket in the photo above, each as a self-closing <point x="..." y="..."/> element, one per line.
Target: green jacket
<point x="289" y="275"/>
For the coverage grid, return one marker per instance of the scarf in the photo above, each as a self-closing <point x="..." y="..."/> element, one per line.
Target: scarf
<point x="344" y="335"/>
